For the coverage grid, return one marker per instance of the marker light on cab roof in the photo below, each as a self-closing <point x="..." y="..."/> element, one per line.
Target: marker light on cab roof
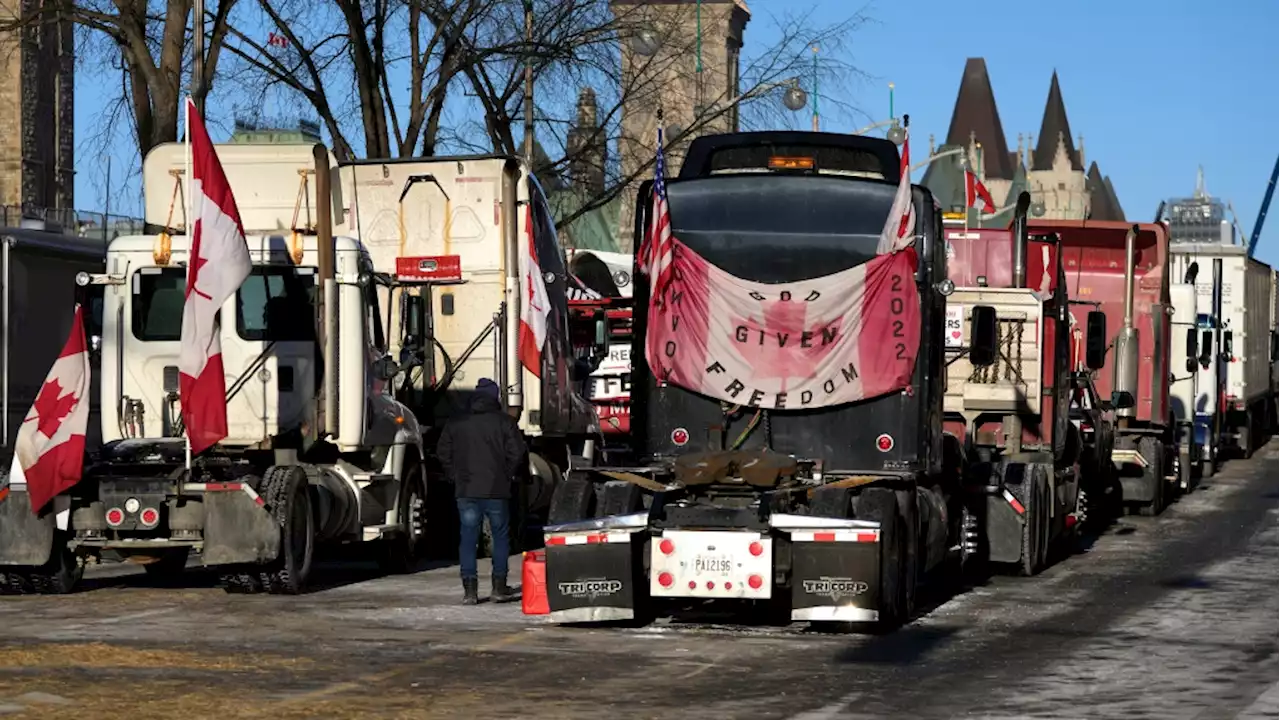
<point x="295" y="247"/>
<point x="162" y="249"/>
<point x="786" y="162"/>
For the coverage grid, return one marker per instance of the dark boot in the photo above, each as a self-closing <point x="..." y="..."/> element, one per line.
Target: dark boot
<point x="470" y="591"/>
<point x="501" y="593"/>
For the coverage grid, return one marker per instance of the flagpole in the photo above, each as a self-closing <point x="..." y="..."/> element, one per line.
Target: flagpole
<point x="188" y="231"/>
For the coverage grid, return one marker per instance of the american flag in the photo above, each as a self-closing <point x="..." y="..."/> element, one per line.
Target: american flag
<point x="655" y="253"/>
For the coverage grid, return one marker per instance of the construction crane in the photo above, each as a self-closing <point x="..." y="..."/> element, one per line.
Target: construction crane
<point x="1262" y="212"/>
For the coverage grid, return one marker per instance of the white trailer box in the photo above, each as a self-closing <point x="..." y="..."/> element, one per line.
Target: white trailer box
<point x="479" y="209"/>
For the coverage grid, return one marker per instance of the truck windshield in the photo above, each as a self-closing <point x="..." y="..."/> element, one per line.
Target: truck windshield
<point x="275" y="304"/>
<point x="158" y="295"/>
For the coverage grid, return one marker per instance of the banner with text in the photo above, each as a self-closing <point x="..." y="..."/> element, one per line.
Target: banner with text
<point x="807" y="344"/>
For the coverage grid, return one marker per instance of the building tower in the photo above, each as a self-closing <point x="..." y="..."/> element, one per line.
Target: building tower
<point x="1056" y="174"/>
<point x="37" y="131"/>
<point x="667" y="79"/>
<point x="975" y="126"/>
<point x="586" y="147"/>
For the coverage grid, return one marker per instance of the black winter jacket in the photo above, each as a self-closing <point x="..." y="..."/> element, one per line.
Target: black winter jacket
<point x="482" y="451"/>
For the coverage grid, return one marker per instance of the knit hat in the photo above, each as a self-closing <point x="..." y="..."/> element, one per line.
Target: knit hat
<point x="489" y="388"/>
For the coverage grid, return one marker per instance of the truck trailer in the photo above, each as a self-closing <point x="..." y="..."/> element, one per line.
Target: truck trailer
<point x="831" y="514"/>
<point x="1122" y="270"/>
<point x="336" y="385"/>
<point x="1236" y="292"/>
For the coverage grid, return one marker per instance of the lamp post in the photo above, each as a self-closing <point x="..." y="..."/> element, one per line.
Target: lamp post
<point x="815" y="88"/>
<point x="197" y="64"/>
<point x="528" y="84"/>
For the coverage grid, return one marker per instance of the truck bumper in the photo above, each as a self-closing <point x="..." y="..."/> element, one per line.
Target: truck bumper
<point x="829" y="568"/>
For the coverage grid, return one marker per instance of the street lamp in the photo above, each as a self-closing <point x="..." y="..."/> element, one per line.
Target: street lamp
<point x="644" y="41"/>
<point x="795" y="98"/>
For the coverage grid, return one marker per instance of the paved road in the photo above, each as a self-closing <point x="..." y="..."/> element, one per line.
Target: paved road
<point x="1174" y="617"/>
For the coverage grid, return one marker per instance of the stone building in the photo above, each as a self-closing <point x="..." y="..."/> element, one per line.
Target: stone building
<point x="37" y="129"/>
<point x="669" y="79"/>
<point x="1050" y="165"/>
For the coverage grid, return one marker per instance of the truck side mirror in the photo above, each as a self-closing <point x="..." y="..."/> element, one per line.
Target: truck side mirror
<point x="1275" y="345"/>
<point x="1206" y="347"/>
<point x="1122" y="399"/>
<point x="95" y="344"/>
<point x="1192" y="355"/>
<point x="602" y="330"/>
<point x="1095" y="346"/>
<point x="1227" y="346"/>
<point x="385" y="368"/>
<point x="982" y="336"/>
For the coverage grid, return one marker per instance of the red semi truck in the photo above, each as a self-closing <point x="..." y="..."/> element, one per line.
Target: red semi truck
<point x="1122" y="270"/>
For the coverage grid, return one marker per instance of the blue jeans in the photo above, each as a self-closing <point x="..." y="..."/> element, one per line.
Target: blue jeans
<point x="471" y="513"/>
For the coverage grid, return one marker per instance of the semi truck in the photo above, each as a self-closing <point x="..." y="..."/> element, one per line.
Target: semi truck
<point x="834" y="514"/>
<point x="1236" y="292"/>
<point x="1122" y="270"/>
<point x="1199" y="380"/>
<point x="1013" y="412"/>
<point x="334" y="386"/>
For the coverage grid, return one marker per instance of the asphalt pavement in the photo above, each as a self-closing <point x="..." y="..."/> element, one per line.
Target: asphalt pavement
<point x="1171" y="617"/>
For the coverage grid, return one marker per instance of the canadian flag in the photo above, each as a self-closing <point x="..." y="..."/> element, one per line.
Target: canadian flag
<point x="217" y="264"/>
<point x="975" y="190"/>
<point x="536" y="307"/>
<point x="897" y="234"/>
<point x="49" y="451"/>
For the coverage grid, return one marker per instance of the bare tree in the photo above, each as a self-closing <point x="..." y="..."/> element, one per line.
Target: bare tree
<point x="153" y="40"/>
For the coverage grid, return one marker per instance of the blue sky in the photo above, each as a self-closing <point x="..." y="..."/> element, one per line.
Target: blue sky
<point x="1155" y="88"/>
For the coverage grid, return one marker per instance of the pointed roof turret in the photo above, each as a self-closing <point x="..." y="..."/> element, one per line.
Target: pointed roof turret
<point x="1115" y="199"/>
<point x="945" y="179"/>
<point x="1054" y="128"/>
<point x="975" y="112"/>
<point x="1101" y="206"/>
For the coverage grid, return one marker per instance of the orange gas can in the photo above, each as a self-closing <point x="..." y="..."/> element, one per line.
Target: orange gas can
<point x="534" y="577"/>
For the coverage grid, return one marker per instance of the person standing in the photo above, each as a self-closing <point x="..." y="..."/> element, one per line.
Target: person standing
<point x="481" y="452"/>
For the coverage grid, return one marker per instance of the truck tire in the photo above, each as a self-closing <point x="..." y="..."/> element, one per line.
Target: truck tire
<point x="1034" y="524"/>
<point x="909" y="511"/>
<point x="1153" y="450"/>
<point x="59" y="576"/>
<point x="284" y="490"/>
<point x="832" y="502"/>
<point x="1244" y="436"/>
<point x="618" y="497"/>
<point x="573" y="500"/>
<point x="401" y="552"/>
<point x="881" y="505"/>
<point x="1184" y="470"/>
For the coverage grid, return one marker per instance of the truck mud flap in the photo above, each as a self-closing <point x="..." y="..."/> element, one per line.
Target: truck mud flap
<point x="595" y="569"/>
<point x="237" y="527"/>
<point x="1004" y="521"/>
<point x="25" y="539"/>
<point x="835" y="568"/>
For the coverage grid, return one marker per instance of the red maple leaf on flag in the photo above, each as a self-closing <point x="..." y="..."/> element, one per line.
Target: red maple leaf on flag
<point x="51" y="407"/>
<point x="782" y="356"/>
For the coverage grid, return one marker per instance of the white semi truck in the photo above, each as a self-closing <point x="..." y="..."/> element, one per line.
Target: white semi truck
<point x="327" y="441"/>
<point x="1234" y="395"/>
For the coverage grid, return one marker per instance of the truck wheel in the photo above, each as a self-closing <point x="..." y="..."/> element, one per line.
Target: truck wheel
<point x="1184" y="471"/>
<point x="618" y="497"/>
<point x="1153" y="450"/>
<point x="1034" y="522"/>
<point x="284" y="490"/>
<point x="909" y="513"/>
<point x="831" y="502"/>
<point x="58" y="576"/>
<point x="573" y="500"/>
<point x="1244" y="436"/>
<point x="881" y="505"/>
<point x="401" y="552"/>
<point x="169" y="563"/>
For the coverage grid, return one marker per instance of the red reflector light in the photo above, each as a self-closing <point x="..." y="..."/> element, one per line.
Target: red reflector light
<point x="666" y="579"/>
<point x="597" y="539"/>
<point x="1017" y="506"/>
<point x="884" y="443"/>
<point x="555" y="541"/>
<point x="711" y="585"/>
<point x="1071" y="521"/>
<point x="755" y="581"/>
<point x="728" y="586"/>
<point x="667" y="547"/>
<point x="149" y="517"/>
<point x="438" y="268"/>
<point x="756" y="549"/>
<point x="824" y="537"/>
<point x="693" y="584"/>
<point x="115" y="516"/>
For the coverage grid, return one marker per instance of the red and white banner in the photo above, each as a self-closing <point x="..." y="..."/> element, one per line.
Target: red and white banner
<point x="536" y="307"/>
<point x="217" y="265"/>
<point x="974" y="190"/>
<point x="808" y="344"/>
<point x="49" y="450"/>
<point x="897" y="233"/>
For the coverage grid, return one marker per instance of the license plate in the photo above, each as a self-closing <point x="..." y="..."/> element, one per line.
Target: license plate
<point x="712" y="565"/>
